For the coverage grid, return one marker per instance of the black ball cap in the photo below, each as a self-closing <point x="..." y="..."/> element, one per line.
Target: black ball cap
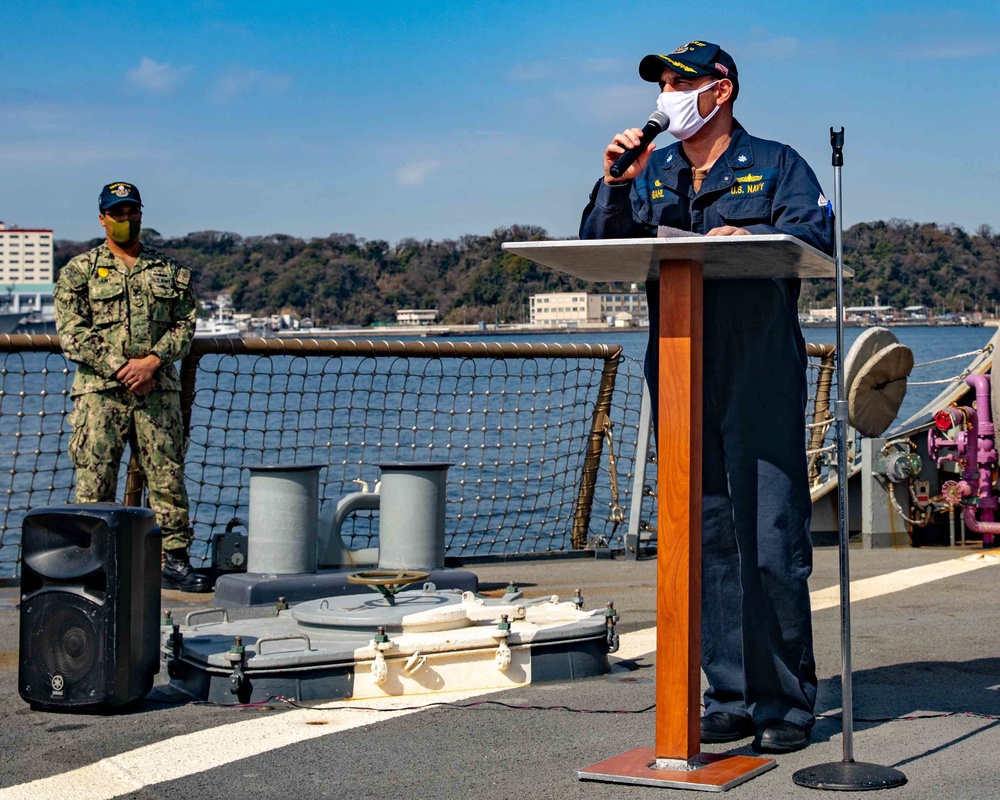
<point x="693" y="59"/>
<point x="118" y="192"/>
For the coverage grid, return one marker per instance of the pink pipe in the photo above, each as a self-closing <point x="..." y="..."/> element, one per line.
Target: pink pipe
<point x="981" y="383"/>
<point x="986" y="454"/>
<point x="937" y="441"/>
<point x="987" y="528"/>
<point x="985" y="459"/>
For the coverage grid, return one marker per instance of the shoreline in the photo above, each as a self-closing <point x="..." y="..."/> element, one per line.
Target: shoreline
<point x="427" y="331"/>
<point x="986" y="323"/>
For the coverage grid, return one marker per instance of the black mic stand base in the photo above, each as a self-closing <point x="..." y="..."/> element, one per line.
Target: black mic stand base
<point x="849" y="776"/>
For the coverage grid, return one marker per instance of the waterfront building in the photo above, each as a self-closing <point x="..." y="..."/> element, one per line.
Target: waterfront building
<point x="25" y="256"/>
<point x="589" y="308"/>
<point x="26" y="280"/>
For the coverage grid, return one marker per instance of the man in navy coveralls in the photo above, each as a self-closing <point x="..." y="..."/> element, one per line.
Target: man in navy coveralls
<point x="718" y="180"/>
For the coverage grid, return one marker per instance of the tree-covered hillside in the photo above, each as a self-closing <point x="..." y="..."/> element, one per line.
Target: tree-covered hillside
<point x="909" y="264"/>
<point x="344" y="280"/>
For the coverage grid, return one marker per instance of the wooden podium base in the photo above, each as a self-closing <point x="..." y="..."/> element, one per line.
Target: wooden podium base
<point x="681" y="265"/>
<point x="717" y="773"/>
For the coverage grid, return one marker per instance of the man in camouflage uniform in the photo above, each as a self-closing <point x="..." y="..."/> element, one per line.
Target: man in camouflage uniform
<point x="125" y="313"/>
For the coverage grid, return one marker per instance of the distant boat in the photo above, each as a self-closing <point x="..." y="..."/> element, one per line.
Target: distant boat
<point x="9" y="320"/>
<point x="217" y="328"/>
<point x="28" y="308"/>
<point x="221" y="325"/>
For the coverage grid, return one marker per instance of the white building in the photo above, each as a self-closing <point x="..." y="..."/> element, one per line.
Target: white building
<point x="875" y="313"/>
<point x="25" y="256"/>
<point x="593" y="308"/>
<point x="416" y="316"/>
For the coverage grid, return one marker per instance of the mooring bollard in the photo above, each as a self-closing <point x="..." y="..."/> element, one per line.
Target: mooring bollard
<point x="411" y="516"/>
<point x="284" y="509"/>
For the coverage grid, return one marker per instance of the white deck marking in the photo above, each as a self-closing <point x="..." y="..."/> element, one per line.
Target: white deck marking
<point x="196" y="752"/>
<point x="868" y="588"/>
<point x="639" y="643"/>
<point x="192" y="753"/>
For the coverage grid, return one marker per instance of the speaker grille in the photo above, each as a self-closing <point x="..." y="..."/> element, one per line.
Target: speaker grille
<point x="73" y="644"/>
<point x="64" y="648"/>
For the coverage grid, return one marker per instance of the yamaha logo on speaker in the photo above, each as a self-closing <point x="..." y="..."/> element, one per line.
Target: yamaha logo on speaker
<point x="57" y="685"/>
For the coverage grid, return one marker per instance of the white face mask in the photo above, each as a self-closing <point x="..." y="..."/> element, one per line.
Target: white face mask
<point x="682" y="110"/>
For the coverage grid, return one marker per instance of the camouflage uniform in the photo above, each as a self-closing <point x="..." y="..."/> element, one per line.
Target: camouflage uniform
<point x="107" y="314"/>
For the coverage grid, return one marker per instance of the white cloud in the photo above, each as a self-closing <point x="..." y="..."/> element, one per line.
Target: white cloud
<point x="777" y="47"/>
<point x="624" y="104"/>
<point x="939" y="52"/>
<point x="244" y="80"/>
<point x="541" y="71"/>
<point x="538" y="71"/>
<point x="62" y="152"/>
<point x="533" y="71"/>
<point x="416" y="172"/>
<point x="35" y="117"/>
<point x="154" y="77"/>
<point x="607" y="66"/>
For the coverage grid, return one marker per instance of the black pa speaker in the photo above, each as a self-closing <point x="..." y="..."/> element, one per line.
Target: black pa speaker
<point x="90" y="606"/>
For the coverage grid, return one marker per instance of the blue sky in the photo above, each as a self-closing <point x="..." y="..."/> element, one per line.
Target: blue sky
<point x="437" y="119"/>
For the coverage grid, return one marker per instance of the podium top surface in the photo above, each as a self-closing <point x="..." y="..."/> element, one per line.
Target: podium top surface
<point x="636" y="260"/>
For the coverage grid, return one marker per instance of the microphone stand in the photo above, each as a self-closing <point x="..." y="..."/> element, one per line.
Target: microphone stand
<point x="847" y="774"/>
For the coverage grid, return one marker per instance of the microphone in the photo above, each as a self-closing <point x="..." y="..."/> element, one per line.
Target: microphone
<point x="658" y="122"/>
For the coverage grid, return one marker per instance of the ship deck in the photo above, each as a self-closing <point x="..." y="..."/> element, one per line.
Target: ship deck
<point x="926" y="656"/>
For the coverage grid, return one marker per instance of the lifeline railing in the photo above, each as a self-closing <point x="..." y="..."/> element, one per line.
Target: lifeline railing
<point x="820" y="422"/>
<point x="528" y="428"/>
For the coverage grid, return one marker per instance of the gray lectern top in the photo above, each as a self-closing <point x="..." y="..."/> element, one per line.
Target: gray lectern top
<point x="635" y="260"/>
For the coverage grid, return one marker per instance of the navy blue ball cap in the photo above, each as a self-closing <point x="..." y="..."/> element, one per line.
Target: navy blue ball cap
<point x="693" y="59"/>
<point x="118" y="192"/>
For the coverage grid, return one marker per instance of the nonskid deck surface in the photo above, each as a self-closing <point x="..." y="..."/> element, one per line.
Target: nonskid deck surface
<point x="925" y="643"/>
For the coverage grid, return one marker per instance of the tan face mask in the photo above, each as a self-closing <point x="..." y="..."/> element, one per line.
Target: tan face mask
<point x="125" y="231"/>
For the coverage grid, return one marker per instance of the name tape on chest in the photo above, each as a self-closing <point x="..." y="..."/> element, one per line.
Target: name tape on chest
<point x="748" y="182"/>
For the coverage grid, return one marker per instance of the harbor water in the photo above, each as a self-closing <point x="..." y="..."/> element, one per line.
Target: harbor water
<point x="928" y="343"/>
<point x="276" y="413"/>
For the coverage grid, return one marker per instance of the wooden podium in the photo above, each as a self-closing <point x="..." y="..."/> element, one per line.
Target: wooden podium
<point x="680" y="264"/>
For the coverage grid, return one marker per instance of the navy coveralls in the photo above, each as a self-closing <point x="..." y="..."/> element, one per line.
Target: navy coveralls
<point x="757" y="556"/>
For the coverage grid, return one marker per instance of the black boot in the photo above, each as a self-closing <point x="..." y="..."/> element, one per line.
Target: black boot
<point x="178" y="574"/>
<point x="723" y="726"/>
<point x="780" y="736"/>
